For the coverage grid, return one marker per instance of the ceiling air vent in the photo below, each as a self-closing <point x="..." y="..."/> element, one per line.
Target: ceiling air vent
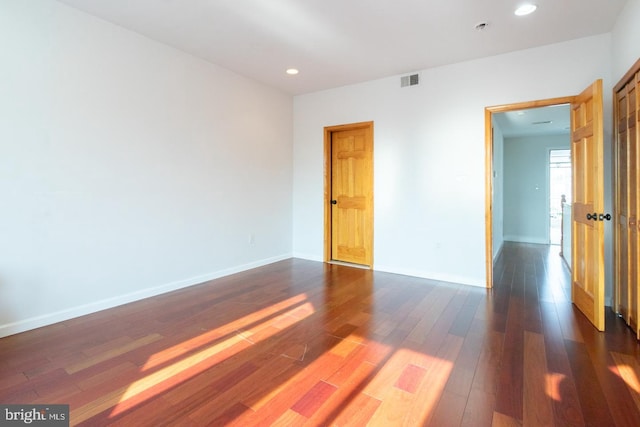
<point x="411" y="80"/>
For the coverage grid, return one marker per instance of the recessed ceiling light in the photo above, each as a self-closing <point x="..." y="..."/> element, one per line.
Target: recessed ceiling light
<point x="525" y="9"/>
<point x="292" y="71"/>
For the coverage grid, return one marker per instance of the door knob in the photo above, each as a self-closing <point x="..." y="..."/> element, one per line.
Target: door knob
<point x="334" y="202"/>
<point x="598" y="217"/>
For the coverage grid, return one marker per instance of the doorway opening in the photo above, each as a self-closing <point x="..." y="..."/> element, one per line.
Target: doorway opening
<point x="528" y="145"/>
<point x="498" y="210"/>
<point x="559" y="192"/>
<point x="587" y="230"/>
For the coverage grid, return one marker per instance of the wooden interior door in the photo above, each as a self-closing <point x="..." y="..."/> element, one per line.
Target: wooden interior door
<point x="622" y="219"/>
<point x="627" y="203"/>
<point x="351" y="198"/>
<point x="587" y="273"/>
<point x="632" y="188"/>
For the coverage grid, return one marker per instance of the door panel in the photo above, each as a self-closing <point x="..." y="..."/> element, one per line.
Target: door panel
<point x="627" y="185"/>
<point x="632" y="191"/>
<point x="588" y="198"/>
<point x="635" y="224"/>
<point x="352" y="195"/>
<point x="622" y="212"/>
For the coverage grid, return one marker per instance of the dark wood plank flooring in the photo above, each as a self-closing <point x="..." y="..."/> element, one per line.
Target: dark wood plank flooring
<point x="305" y="343"/>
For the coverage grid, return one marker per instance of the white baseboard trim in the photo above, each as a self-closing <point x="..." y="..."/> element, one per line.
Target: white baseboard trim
<point x="525" y="239"/>
<point x="93" y="307"/>
<point x="308" y="257"/>
<point x="460" y="280"/>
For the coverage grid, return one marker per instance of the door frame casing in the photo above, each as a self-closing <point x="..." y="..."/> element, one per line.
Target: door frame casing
<point x="488" y="160"/>
<point x="328" y="131"/>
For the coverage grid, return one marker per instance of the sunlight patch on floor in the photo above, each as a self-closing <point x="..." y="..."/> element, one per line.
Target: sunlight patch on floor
<point x="552" y="385"/>
<point x="289" y="308"/>
<point x="409" y="372"/>
<point x="627" y="368"/>
<point x="234" y="336"/>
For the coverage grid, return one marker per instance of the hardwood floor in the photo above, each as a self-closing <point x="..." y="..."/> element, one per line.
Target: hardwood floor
<point x="305" y="343"/>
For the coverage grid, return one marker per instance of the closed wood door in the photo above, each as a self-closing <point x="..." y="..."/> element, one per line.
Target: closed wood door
<point x="632" y="194"/>
<point x="622" y="208"/>
<point x="627" y="184"/>
<point x="351" y="199"/>
<point x="587" y="273"/>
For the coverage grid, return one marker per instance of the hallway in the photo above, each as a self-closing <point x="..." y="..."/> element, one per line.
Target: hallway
<point x="590" y="378"/>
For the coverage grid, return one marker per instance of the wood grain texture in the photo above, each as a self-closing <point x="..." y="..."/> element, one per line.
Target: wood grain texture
<point x="305" y="343"/>
<point x="313" y="399"/>
<point x="337" y="167"/>
<point x="539" y="385"/>
<point x="626" y="156"/>
<point x="587" y="237"/>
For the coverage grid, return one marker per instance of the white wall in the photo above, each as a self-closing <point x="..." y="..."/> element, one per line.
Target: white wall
<point x="526" y="187"/>
<point x="625" y="39"/>
<point x="429" y="152"/>
<point x="498" y="190"/>
<point x="128" y="168"/>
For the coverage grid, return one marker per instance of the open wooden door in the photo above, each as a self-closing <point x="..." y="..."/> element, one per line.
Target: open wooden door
<point x="587" y="272"/>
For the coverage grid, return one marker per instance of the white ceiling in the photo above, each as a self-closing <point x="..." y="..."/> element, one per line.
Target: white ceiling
<point x="552" y="120"/>
<point x="340" y="42"/>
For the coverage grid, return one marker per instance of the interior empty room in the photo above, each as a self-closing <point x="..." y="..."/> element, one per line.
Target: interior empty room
<point x="319" y="213"/>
